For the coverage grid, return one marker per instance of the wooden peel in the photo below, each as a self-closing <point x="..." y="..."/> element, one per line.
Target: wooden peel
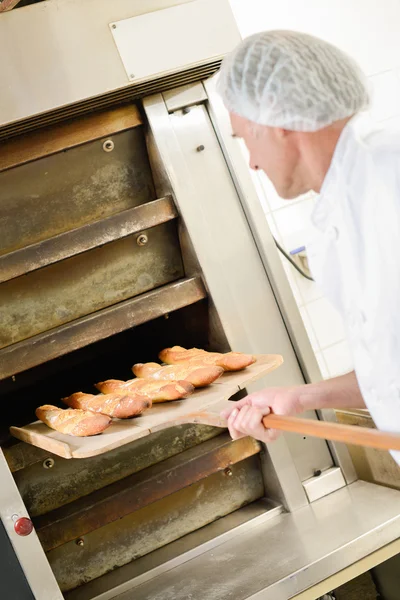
<point x="335" y="432"/>
<point x="160" y="416"/>
<point x="203" y="407"/>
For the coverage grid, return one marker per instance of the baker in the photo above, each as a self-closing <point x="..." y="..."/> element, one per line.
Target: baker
<point x="297" y="103"/>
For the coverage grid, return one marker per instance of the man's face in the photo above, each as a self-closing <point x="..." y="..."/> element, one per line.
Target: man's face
<point x="274" y="151"/>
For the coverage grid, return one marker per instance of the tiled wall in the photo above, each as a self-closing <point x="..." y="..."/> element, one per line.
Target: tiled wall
<point x="369" y="31"/>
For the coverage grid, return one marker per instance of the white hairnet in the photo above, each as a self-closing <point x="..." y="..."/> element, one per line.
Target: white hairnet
<point x="291" y="80"/>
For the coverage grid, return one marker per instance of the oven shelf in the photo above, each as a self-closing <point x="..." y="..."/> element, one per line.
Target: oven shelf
<point x="207" y="401"/>
<point x="87" y="237"/>
<point x="99" y="325"/>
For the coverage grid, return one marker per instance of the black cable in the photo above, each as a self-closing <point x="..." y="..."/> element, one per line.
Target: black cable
<point x="292" y="261"/>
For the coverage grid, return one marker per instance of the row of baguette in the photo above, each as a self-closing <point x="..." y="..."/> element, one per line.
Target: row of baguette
<point x="184" y="370"/>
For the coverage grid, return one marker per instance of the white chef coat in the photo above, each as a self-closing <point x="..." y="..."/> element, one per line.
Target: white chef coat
<point x="355" y="258"/>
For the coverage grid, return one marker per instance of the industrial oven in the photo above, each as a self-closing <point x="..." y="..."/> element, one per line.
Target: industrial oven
<point x="129" y="222"/>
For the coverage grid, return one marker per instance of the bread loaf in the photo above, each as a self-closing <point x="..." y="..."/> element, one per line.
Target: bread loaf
<point x="155" y="391"/>
<point x="230" y="361"/>
<point x="72" y="421"/>
<point x="113" y="405"/>
<point x="197" y="375"/>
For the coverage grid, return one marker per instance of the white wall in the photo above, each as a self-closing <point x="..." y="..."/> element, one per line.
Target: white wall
<point x="369" y="30"/>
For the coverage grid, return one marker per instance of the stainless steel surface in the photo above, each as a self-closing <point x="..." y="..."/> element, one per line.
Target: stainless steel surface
<point x="188" y="26"/>
<point x="28" y="549"/>
<point x="141" y="489"/>
<point x="324" y="483"/>
<point x="277" y="277"/>
<point x="66" y="190"/>
<point x="176" y="553"/>
<point x="100" y="325"/>
<point x="230" y="261"/>
<point x="43" y="491"/>
<point x="85" y="238"/>
<point x="69" y="61"/>
<point x="69" y="134"/>
<point x="288" y="554"/>
<point x="184" y="97"/>
<point x="89" y="282"/>
<point x="156" y="525"/>
<point x="340" y="452"/>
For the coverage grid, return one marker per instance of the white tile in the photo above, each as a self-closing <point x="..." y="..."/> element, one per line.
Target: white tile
<point x="294" y="223"/>
<point x="322" y="365"/>
<point x="326" y="321"/>
<point x="338" y="359"/>
<point x="309" y="328"/>
<point x="385" y="95"/>
<point x="309" y="290"/>
<point x="290" y="274"/>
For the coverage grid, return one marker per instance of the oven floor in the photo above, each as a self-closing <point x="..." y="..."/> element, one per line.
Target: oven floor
<point x="275" y="559"/>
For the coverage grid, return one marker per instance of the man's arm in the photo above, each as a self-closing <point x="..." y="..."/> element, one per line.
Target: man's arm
<point x="339" y="392"/>
<point x="245" y="416"/>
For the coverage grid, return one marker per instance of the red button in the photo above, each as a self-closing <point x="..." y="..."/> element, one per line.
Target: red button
<point x="23" y="526"/>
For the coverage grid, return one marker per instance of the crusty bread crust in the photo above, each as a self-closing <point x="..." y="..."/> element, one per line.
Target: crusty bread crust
<point x="71" y="421"/>
<point x="114" y="405"/>
<point x="197" y="375"/>
<point x="155" y="391"/>
<point x="230" y="361"/>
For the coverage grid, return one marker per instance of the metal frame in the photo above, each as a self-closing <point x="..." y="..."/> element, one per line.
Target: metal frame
<point x="28" y="549"/>
<point x="271" y="261"/>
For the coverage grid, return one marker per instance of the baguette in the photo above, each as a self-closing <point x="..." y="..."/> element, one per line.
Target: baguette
<point x="74" y="422"/>
<point x="230" y="361"/>
<point x="154" y="391"/>
<point x="113" y="405"/>
<point x="197" y="375"/>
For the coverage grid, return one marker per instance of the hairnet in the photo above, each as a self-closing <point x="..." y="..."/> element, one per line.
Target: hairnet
<point x="291" y="80"/>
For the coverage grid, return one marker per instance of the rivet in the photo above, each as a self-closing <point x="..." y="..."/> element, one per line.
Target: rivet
<point x="228" y="472"/>
<point x="131" y="76"/>
<point x="108" y="146"/>
<point x="80" y="542"/>
<point x="200" y="148"/>
<point x="166" y="316"/>
<point x="142" y="239"/>
<point x="317" y="472"/>
<point x="114" y="26"/>
<point x="185" y="110"/>
<point x="48" y="463"/>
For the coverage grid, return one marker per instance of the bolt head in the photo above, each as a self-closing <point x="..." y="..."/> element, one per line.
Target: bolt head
<point x="142" y="239"/>
<point x="228" y="472"/>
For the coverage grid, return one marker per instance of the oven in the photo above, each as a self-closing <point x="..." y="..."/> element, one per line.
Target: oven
<point x="130" y="223"/>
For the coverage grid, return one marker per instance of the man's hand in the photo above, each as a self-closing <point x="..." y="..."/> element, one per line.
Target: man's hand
<point x="245" y="416"/>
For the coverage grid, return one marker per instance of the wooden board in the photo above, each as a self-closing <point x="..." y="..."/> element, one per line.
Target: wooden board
<point x="209" y="400"/>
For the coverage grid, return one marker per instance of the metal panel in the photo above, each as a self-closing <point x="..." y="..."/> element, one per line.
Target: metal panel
<point x="324" y="483"/>
<point x="98" y="326"/>
<point x="59" y="60"/>
<point x="48" y="141"/>
<point x="156" y="525"/>
<point x="44" y="488"/>
<point x="229" y="259"/>
<point x="188" y="34"/>
<point x="85" y="238"/>
<point x="28" y="549"/>
<point x="287" y="554"/>
<point x="86" y="283"/>
<point x="141" y="489"/>
<point x="58" y="193"/>
<point x="182" y="550"/>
